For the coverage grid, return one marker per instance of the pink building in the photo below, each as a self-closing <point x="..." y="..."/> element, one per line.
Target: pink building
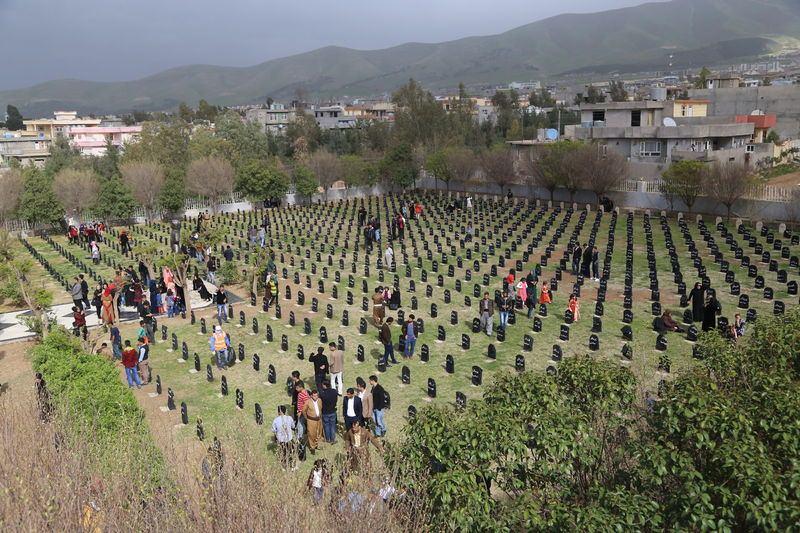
<point x="92" y="140"/>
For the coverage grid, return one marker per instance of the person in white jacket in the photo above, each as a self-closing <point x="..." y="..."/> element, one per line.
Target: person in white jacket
<point x="388" y="257"/>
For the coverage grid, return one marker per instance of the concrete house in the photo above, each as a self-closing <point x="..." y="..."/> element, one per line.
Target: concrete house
<point x="654" y="134"/>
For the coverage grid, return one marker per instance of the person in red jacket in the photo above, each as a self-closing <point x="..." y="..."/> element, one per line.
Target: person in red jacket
<point x="130" y="360"/>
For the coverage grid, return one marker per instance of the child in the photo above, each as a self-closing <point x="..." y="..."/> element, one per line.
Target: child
<point x="317" y="480"/>
<point x="170" y="304"/>
<point x="544" y="294"/>
<point x="574" y="306"/>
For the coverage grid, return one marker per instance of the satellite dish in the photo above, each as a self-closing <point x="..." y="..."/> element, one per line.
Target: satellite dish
<point x="551" y="134"/>
<point x="669" y="122"/>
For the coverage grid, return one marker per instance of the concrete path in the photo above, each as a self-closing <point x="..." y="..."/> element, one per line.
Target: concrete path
<point x="12" y="329"/>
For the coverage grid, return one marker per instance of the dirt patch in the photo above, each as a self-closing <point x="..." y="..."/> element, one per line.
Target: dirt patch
<point x="787" y="180"/>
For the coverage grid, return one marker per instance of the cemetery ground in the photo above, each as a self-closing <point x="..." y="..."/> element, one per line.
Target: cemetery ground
<point x="314" y="246"/>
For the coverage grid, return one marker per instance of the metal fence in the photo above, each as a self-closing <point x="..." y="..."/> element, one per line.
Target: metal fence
<point x="766" y="193"/>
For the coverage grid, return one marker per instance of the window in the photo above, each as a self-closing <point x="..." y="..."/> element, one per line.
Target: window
<point x="599" y="116"/>
<point x="636" y="118"/>
<point x="650" y="148"/>
<point x="751" y="148"/>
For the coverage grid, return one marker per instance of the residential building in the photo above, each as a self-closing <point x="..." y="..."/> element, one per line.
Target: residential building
<point x="333" y="117"/>
<point x="59" y="124"/>
<point x="378" y="111"/>
<point x="93" y="140"/>
<point x="723" y="81"/>
<point x="24" y="148"/>
<point x="273" y="119"/>
<point x="652" y="135"/>
<point x="782" y="101"/>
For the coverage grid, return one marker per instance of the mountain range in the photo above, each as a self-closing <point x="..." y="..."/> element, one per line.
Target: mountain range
<point x="694" y="32"/>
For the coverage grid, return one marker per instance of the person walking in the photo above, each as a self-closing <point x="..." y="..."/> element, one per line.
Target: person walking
<point x="283" y="429"/>
<point x="116" y="343"/>
<point x="318" y="479"/>
<point x="336" y="366"/>
<point x="595" y="264"/>
<point x="79" y="323"/>
<point x="711" y="310"/>
<point x="698" y="297"/>
<point x="143" y="358"/>
<point x="329" y="399"/>
<point x="385" y="337"/>
<point x="532" y="293"/>
<point x="95" y="253"/>
<point x="388" y="257"/>
<point x="351" y="408"/>
<point x="76" y="293"/>
<point x="378" y="310"/>
<point x="574" y="306"/>
<point x="220" y="343"/>
<point x="312" y="413"/>
<point x="366" y="401"/>
<point x="321" y="368"/>
<point x="487" y="314"/>
<point x="211" y="268"/>
<point x="378" y="406"/>
<point x="272" y="292"/>
<point x="586" y="261"/>
<point x="302" y="398"/>
<point x="505" y="305"/>
<point x="356" y="441"/>
<point x="221" y="299"/>
<point x="130" y="361"/>
<point x="410" y="330"/>
<point x="577" y="253"/>
<point x="84" y="292"/>
<point x="544" y="294"/>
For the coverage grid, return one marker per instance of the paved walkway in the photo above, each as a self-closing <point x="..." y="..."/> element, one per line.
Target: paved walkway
<point x="12" y="329"/>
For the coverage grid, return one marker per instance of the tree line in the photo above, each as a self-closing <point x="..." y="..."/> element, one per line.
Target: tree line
<point x="183" y="155"/>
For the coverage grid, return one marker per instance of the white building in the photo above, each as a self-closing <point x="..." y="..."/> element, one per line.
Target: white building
<point x="94" y="140"/>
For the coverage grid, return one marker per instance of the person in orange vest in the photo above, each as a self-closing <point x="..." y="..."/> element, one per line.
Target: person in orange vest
<point x="220" y="343"/>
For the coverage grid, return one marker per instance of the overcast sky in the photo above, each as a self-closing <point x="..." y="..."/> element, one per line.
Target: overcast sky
<point x="111" y="40"/>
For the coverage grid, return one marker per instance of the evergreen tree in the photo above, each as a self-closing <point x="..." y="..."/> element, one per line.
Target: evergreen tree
<point x="38" y="202"/>
<point x="114" y="199"/>
<point x="13" y="118"/>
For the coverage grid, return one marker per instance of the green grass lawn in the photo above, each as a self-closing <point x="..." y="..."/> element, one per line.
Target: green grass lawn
<point x="299" y="234"/>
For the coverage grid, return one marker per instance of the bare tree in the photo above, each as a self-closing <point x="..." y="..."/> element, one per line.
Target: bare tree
<point x="598" y="170"/>
<point x="498" y="166"/>
<point x="551" y="167"/>
<point x="145" y="179"/>
<point x="729" y="182"/>
<point x="76" y="189"/>
<point x="461" y="163"/>
<point x="11" y="184"/>
<point x="327" y="168"/>
<point x="211" y="177"/>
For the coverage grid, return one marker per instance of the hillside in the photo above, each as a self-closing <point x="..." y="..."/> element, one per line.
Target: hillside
<point x="630" y="39"/>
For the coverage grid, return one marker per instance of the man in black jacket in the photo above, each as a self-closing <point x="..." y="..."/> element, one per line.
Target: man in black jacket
<point x="351" y="408"/>
<point x="221" y="299"/>
<point x="320" y="362"/>
<point x="577" y="253"/>
<point x="378" y="406"/>
<point x="329" y="398"/>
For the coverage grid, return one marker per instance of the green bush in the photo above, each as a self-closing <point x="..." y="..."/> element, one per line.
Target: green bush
<point x="88" y="385"/>
<point x="229" y="273"/>
<point x="584" y="451"/>
<point x="98" y="412"/>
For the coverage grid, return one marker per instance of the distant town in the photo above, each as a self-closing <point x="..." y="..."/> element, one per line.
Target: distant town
<point x="748" y="113"/>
